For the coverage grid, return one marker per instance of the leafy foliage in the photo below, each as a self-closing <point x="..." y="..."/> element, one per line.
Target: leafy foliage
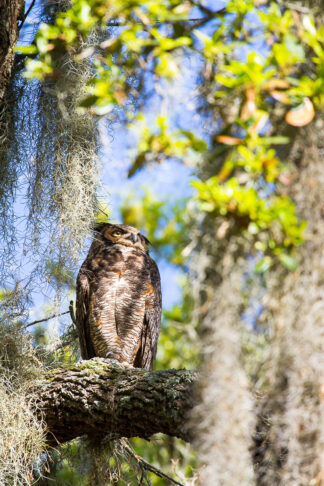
<point x="264" y="88"/>
<point x="166" y="223"/>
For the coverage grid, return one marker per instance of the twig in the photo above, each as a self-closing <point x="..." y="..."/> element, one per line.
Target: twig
<point x="46" y="319"/>
<point x="148" y="467"/>
<point x="293" y="6"/>
<point x="26" y="14"/>
<point x="157" y="472"/>
<point x="117" y="23"/>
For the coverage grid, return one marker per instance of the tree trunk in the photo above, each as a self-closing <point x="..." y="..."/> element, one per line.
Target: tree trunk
<point x="100" y="397"/>
<point x="10" y="12"/>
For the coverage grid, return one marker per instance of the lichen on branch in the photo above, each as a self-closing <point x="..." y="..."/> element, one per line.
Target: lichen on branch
<point x="101" y="397"/>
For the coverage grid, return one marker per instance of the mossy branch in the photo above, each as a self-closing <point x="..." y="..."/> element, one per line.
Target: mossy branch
<point x="101" y="397"/>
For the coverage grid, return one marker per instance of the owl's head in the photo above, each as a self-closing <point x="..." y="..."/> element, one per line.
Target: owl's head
<point x="121" y="234"/>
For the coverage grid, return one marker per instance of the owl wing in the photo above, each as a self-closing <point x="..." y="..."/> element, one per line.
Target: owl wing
<point x="82" y="314"/>
<point x="152" y="320"/>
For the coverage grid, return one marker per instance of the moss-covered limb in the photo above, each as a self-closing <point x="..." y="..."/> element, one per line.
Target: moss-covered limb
<point x="102" y="397"/>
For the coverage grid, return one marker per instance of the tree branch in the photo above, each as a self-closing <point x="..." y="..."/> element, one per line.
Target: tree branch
<point x="147" y="466"/>
<point x="48" y="318"/>
<point x="102" y="397"/>
<point x="31" y="6"/>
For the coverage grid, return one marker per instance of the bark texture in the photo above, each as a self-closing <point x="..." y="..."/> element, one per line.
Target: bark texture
<point x="100" y="397"/>
<point x="10" y="12"/>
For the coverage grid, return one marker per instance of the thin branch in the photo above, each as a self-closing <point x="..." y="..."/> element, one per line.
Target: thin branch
<point x="26" y="14"/>
<point x="46" y="319"/>
<point x="293" y="6"/>
<point x="207" y="10"/>
<point x="157" y="22"/>
<point x="157" y="472"/>
<point x="147" y="466"/>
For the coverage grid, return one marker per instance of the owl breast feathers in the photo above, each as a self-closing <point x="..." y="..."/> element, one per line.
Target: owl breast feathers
<point x="118" y="303"/>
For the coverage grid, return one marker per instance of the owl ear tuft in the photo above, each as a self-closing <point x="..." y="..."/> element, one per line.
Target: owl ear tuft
<point x="147" y="241"/>
<point x="98" y="227"/>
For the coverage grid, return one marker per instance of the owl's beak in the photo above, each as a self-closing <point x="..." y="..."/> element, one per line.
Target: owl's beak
<point x="133" y="237"/>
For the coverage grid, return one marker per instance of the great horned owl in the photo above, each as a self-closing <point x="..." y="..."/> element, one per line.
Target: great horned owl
<point x="118" y="303"/>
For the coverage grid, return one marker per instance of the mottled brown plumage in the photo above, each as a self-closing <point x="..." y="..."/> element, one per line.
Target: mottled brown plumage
<point x="118" y="304"/>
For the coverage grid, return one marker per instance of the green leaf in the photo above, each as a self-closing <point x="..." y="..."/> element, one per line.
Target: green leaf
<point x="309" y="24"/>
<point x="288" y="261"/>
<point x="26" y="49"/>
<point x="263" y="265"/>
<point x="295" y="47"/>
<point x="253" y="228"/>
<point x="278" y="140"/>
<point x="88" y="101"/>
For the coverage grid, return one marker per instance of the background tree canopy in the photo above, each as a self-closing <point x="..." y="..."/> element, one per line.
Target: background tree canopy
<point x="200" y="123"/>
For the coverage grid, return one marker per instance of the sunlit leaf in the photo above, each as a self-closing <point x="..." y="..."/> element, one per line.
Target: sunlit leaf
<point x="227" y="140"/>
<point x="288" y="261"/>
<point x="264" y="264"/>
<point x="276" y="83"/>
<point x="253" y="228"/>
<point x="280" y="96"/>
<point x="26" y="49"/>
<point x="302" y="115"/>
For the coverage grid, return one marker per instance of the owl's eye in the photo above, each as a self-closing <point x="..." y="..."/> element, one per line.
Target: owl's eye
<point x="116" y="233"/>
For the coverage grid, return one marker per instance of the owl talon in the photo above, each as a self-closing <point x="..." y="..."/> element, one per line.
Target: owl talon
<point x="126" y="364"/>
<point x="113" y="361"/>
